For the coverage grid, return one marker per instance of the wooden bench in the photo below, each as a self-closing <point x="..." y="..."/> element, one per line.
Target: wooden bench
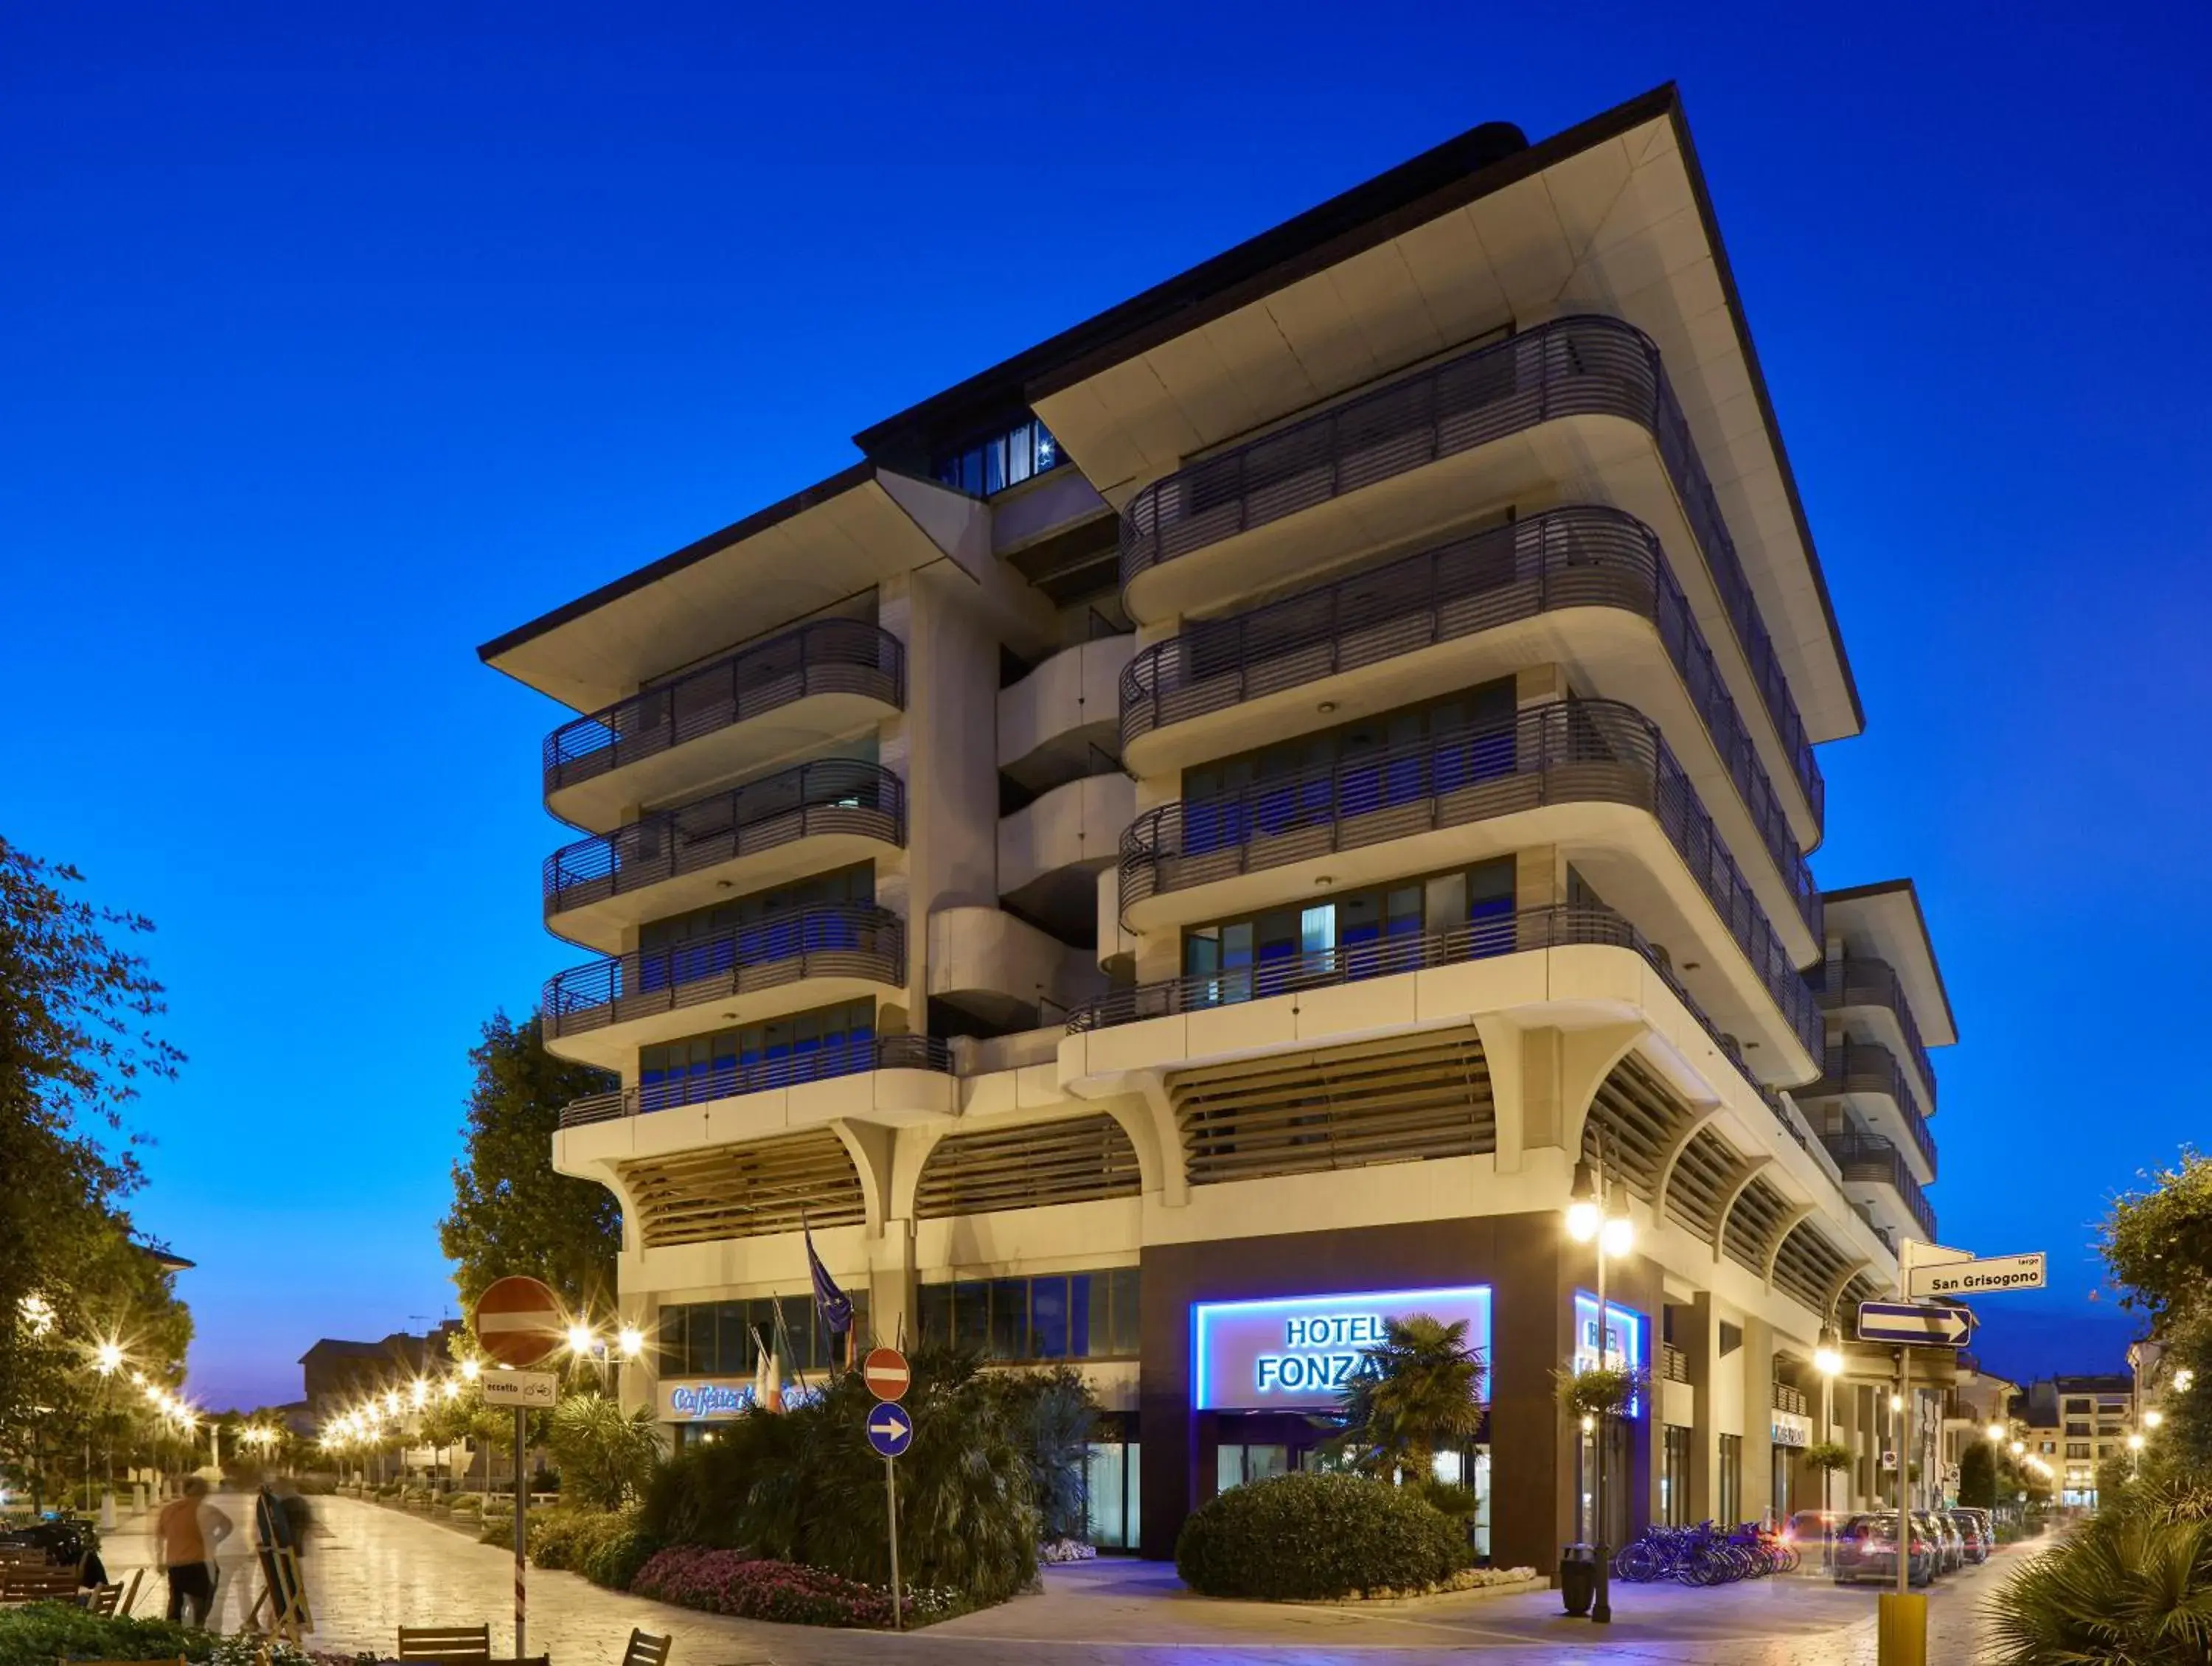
<point x="37" y="1585"/>
<point x="645" y="1650"/>
<point x="465" y="1643"/>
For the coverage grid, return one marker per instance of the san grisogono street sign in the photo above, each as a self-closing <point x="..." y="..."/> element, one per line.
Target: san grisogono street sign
<point x="1982" y="1276"/>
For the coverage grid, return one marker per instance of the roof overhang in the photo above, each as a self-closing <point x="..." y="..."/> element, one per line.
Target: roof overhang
<point x="820" y="546"/>
<point x="1884" y="920"/>
<point x="1612" y="216"/>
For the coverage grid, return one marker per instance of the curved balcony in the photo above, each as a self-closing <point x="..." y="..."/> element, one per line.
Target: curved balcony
<point x="1584" y="373"/>
<point x="1529" y="930"/>
<point x="1856" y="1069"/>
<point x="818" y="816"/>
<point x="1054" y="722"/>
<point x="1867" y="1159"/>
<point x="1864" y="982"/>
<point x="822" y="680"/>
<point x="1438" y="620"/>
<point x="1413" y="810"/>
<point x="838" y="954"/>
<point x="883" y="1052"/>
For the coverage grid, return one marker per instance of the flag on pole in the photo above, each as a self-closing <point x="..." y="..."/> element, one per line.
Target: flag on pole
<point x="833" y="1304"/>
<point x="768" y="1378"/>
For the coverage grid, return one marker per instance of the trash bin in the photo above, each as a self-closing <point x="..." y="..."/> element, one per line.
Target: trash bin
<point x="1578" y="1578"/>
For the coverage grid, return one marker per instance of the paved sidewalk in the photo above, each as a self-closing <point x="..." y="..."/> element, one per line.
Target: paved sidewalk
<point x="371" y="1570"/>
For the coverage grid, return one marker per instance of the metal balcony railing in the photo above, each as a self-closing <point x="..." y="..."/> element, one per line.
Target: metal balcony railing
<point x="1789" y="1397"/>
<point x="1869" y="1157"/>
<point x="829" y="795"/>
<point x="1574" y="751"/>
<point x="1673" y="1364"/>
<point x="1556" y="927"/>
<point x="1584" y="366"/>
<point x="827" y="656"/>
<point x="883" y="1052"/>
<point x="1861" y="980"/>
<point x="843" y="941"/>
<point x="1864" y="1067"/>
<point x="1579" y="557"/>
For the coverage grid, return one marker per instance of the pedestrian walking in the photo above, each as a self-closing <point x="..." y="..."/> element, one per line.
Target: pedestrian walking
<point x="185" y="1535"/>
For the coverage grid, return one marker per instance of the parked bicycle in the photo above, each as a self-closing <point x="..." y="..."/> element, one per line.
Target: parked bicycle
<point x="1705" y="1554"/>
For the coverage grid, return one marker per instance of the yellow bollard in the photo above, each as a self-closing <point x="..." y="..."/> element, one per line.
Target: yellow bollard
<point x="1902" y="1629"/>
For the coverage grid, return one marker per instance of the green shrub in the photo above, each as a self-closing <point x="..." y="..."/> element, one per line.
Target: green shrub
<point x="614" y="1561"/>
<point x="467" y="1504"/>
<point x="40" y="1633"/>
<point x="802" y="1487"/>
<point x="1308" y="1536"/>
<point x="498" y="1526"/>
<point x="606" y="1456"/>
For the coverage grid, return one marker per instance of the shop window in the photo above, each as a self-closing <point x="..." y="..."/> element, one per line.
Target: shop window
<point x="1112" y="1510"/>
<point x="1054" y="1316"/>
<point x="1731" y="1480"/>
<point x="723" y="1338"/>
<point x="1674" y="1477"/>
<point x="1237" y="1466"/>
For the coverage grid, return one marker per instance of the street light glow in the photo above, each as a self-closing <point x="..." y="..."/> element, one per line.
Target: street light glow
<point x="1583" y="1218"/>
<point x="107" y="1357"/>
<point x="631" y="1341"/>
<point x="1997" y="1433"/>
<point x="581" y="1338"/>
<point x="1828" y="1353"/>
<point x="1897" y="1402"/>
<point x="2153" y="1418"/>
<point x="1617" y="1236"/>
<point x="2019" y="1446"/>
<point x="452" y="1390"/>
<point x="2182" y="1378"/>
<point x="2134" y="1443"/>
<point x="419" y="1391"/>
<point x="470" y="1368"/>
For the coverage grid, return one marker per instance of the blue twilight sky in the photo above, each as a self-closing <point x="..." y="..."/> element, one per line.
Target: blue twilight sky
<point x="336" y="339"/>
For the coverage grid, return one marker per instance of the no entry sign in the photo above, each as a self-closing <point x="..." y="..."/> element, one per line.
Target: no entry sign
<point x="886" y="1373"/>
<point x="518" y="1322"/>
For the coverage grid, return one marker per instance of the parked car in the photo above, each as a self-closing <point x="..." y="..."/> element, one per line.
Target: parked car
<point x="1950" y="1548"/>
<point x="1974" y="1532"/>
<point x="1866" y="1548"/>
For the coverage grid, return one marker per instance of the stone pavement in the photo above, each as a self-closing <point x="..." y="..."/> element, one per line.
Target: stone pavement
<point x="371" y="1570"/>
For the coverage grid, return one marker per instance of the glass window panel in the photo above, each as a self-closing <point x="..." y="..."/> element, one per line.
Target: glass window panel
<point x="1228" y="1467"/>
<point x="1048" y="1332"/>
<point x="733" y="1349"/>
<point x="1086" y="1313"/>
<point x="971" y="1315"/>
<point x="1318" y="928"/>
<point x="672" y="1354"/>
<point x="1010" y="1319"/>
<point x="1123" y="1281"/>
<point x="935" y="1313"/>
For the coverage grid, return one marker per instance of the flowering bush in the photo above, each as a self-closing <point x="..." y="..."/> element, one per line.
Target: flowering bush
<point x="1054" y="1551"/>
<point x="734" y="1582"/>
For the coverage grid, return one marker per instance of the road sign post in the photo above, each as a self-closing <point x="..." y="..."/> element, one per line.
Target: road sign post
<point x="518" y="1323"/>
<point x="891" y="1432"/>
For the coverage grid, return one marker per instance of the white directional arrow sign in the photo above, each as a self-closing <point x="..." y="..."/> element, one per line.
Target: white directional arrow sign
<point x="1910" y="1323"/>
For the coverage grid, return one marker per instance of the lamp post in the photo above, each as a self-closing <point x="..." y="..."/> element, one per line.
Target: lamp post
<point x="2135" y="1452"/>
<point x="1828" y="1360"/>
<point x="1592" y="1215"/>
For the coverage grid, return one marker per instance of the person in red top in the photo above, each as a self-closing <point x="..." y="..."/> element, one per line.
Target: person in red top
<point x="184" y="1537"/>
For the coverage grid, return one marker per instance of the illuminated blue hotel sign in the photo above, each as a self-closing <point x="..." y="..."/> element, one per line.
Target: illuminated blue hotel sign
<point x="1297" y="1353"/>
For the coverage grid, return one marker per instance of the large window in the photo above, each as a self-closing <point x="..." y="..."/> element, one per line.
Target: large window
<point x="1674" y="1478"/>
<point x="1731" y="1480"/>
<point x="717" y="1338"/>
<point x="1362" y="934"/>
<point x="990" y="466"/>
<point x="1486" y="709"/>
<point x="808" y="1046"/>
<point x="853" y="885"/>
<point x="1053" y="1315"/>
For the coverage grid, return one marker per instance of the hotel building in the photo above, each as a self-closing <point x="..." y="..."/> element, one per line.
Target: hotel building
<point x="1177" y="853"/>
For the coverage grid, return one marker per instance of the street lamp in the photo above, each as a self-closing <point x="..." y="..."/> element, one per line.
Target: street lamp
<point x="2135" y="1450"/>
<point x="2153" y="1418"/>
<point x="471" y="1369"/>
<point x="630" y="1340"/>
<point x="1591" y="1216"/>
<point x="1828" y="1360"/>
<point x="2182" y="1378"/>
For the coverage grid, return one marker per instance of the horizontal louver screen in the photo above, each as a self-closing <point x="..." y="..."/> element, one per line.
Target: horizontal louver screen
<point x="1808" y="1266"/>
<point x="1347" y="1107"/>
<point x="1079" y="1160"/>
<point x="745" y="1191"/>
<point x="1750" y="1225"/>
<point x="1701" y="1179"/>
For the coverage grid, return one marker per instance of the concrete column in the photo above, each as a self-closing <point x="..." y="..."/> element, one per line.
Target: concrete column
<point x="1757" y="1353"/>
<point x="1532" y="1505"/>
<point x="1698" y="1334"/>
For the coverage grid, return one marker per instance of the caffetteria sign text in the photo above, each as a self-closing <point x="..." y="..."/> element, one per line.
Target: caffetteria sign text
<point x="1298" y="1352"/>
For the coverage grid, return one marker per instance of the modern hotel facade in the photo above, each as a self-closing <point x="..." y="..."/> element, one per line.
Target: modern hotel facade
<point x="1173" y="857"/>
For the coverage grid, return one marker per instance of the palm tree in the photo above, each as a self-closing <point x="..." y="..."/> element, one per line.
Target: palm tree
<point x="1416" y="1390"/>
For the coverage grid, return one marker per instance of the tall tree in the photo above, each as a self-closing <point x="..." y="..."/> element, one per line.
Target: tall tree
<point x="77" y="1006"/>
<point x="511" y="1212"/>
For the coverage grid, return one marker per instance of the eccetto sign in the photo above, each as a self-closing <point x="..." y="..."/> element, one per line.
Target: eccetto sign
<point x="1298" y="1353"/>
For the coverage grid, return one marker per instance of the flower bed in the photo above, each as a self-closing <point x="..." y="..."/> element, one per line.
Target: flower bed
<point x="1054" y="1552"/>
<point x="1503" y="1580"/>
<point x="730" y="1582"/>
